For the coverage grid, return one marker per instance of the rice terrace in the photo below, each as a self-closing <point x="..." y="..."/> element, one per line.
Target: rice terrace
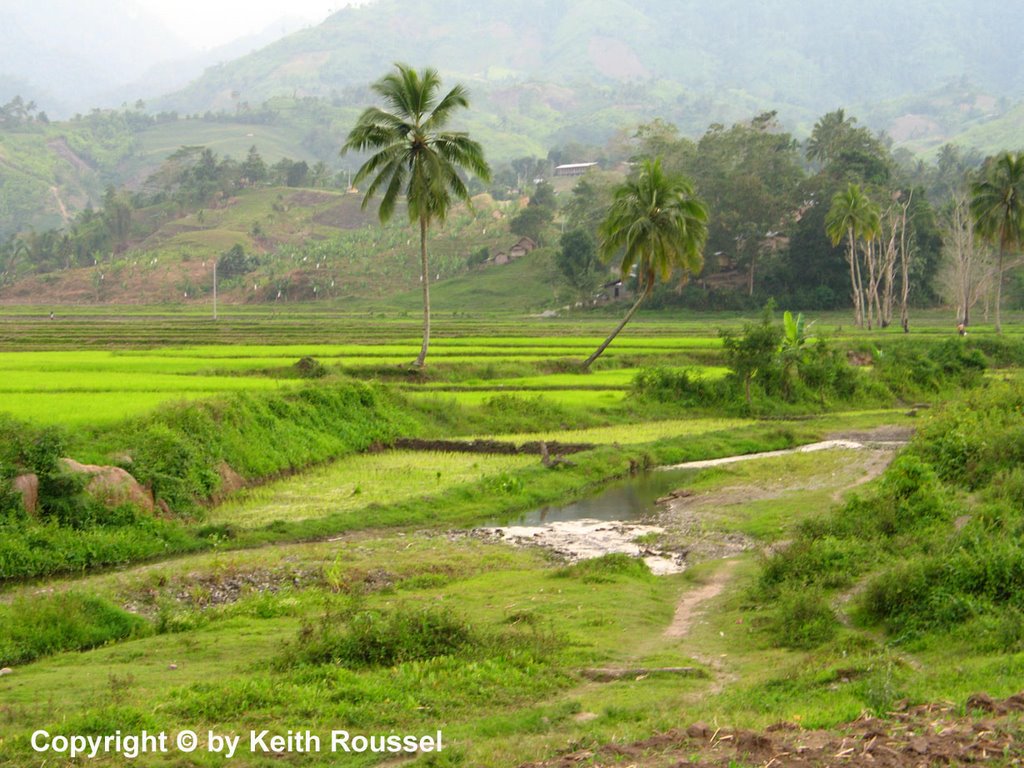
<point x="569" y="404"/>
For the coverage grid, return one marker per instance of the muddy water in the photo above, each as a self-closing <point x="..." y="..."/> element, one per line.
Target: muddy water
<point x="631" y="499"/>
<point x="605" y="523"/>
<point x="610" y="521"/>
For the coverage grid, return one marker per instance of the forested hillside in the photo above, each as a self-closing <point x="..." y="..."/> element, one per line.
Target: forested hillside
<point x="580" y="66"/>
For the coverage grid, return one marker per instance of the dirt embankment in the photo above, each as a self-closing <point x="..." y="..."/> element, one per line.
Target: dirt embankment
<point x="536" y="448"/>
<point x="915" y="737"/>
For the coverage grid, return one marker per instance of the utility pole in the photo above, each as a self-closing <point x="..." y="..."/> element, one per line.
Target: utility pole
<point x="215" y="288"/>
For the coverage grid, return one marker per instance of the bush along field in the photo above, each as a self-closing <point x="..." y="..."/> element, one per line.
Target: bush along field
<point x="288" y="566"/>
<point x="913" y="588"/>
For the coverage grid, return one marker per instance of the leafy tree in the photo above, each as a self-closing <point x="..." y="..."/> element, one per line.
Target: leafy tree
<point x="590" y="200"/>
<point x="531" y="222"/>
<point x="298" y="174"/>
<point x="997" y="205"/>
<point x="538" y="214"/>
<point x="847" y="152"/>
<point x="577" y="260"/>
<point x="319" y="174"/>
<point x="544" y="197"/>
<point x="749" y="175"/>
<point x="254" y="170"/>
<point x="234" y="262"/>
<point x="752" y="354"/>
<point x="412" y="153"/>
<point x="659" y="225"/>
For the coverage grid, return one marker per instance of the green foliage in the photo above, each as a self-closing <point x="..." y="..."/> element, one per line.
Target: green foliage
<point x="680" y="386"/>
<point x="577" y="260"/>
<point x="925" y="575"/>
<point x="412" y="155"/>
<point x="235" y="262"/>
<point x="606" y="569"/>
<point x="803" y="619"/>
<point x="909" y="371"/>
<point x="752" y="355"/>
<point x="371" y="638"/>
<point x="997" y="205"/>
<point x="68" y="621"/>
<point x="531" y="222"/>
<point x="975" y="439"/>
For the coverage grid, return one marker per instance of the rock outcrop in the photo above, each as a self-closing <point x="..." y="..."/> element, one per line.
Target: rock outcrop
<point x="112" y="486"/>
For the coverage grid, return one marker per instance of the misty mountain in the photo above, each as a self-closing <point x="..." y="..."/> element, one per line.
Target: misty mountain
<point x="177" y="73"/>
<point x="65" y="53"/>
<point x="690" y="61"/>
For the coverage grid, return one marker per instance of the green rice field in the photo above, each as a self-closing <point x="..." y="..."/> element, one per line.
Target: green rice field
<point x="359" y="481"/>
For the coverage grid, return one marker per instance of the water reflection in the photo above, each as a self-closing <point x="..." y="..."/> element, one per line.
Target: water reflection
<point x="629" y="499"/>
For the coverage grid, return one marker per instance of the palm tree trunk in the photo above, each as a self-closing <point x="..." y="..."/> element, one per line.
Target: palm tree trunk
<point x="851" y="256"/>
<point x="999" y="288"/>
<point x="611" y="338"/>
<point x="425" y="277"/>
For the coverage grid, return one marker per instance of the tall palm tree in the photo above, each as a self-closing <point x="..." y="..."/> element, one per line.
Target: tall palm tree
<point x="658" y="225"/>
<point x="997" y="205"/>
<point x="853" y="216"/>
<point x="412" y="155"/>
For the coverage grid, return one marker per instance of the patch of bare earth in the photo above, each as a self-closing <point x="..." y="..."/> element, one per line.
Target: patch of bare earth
<point x="920" y="736"/>
<point x="691" y="603"/>
<point x="693" y="518"/>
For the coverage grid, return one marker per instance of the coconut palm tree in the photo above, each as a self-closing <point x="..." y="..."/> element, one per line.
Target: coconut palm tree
<point x="997" y="205"/>
<point x="413" y="155"/>
<point x="658" y="225"/>
<point x="853" y="216"/>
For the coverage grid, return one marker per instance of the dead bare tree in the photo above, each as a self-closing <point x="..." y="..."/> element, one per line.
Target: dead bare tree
<point x="969" y="272"/>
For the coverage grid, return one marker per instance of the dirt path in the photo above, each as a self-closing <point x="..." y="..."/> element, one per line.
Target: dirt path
<point x="824" y="445"/>
<point x="873" y="466"/>
<point x="689" y="606"/>
<point x="60" y="204"/>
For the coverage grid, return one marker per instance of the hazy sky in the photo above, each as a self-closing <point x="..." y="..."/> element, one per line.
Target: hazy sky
<point x="208" y="23"/>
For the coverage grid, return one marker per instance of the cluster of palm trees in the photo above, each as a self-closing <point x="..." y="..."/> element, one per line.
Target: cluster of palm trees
<point x="876" y="239"/>
<point x="655" y="221"/>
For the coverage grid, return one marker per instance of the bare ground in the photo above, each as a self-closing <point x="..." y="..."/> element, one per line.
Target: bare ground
<point x="689" y="606"/>
<point x="928" y="735"/>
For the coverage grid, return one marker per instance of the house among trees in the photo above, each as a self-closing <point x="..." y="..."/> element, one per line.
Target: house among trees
<point x="521" y="247"/>
<point x="614" y="290"/>
<point x="573" y="169"/>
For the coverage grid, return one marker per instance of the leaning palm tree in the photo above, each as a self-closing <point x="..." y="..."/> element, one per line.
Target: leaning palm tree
<point x="997" y="205"/>
<point x="413" y="155"/>
<point x="658" y="225"/>
<point x="853" y="216"/>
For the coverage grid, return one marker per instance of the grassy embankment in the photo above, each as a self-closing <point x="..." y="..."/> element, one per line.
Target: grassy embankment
<point x="408" y="631"/>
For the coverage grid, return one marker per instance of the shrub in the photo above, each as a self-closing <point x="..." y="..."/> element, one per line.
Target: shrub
<point x="30" y="628"/>
<point x="803" y="619"/>
<point x="675" y="385"/>
<point x="381" y="638"/>
<point x="606" y="568"/>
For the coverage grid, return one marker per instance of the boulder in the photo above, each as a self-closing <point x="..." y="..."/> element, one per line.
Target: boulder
<point x="112" y="486"/>
<point x="230" y="481"/>
<point x="28" y="487"/>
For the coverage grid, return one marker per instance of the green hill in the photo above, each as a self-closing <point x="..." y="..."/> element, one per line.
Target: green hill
<point x="302" y="245"/>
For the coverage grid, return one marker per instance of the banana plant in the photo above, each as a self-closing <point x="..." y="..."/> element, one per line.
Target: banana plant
<point x="791" y="352"/>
